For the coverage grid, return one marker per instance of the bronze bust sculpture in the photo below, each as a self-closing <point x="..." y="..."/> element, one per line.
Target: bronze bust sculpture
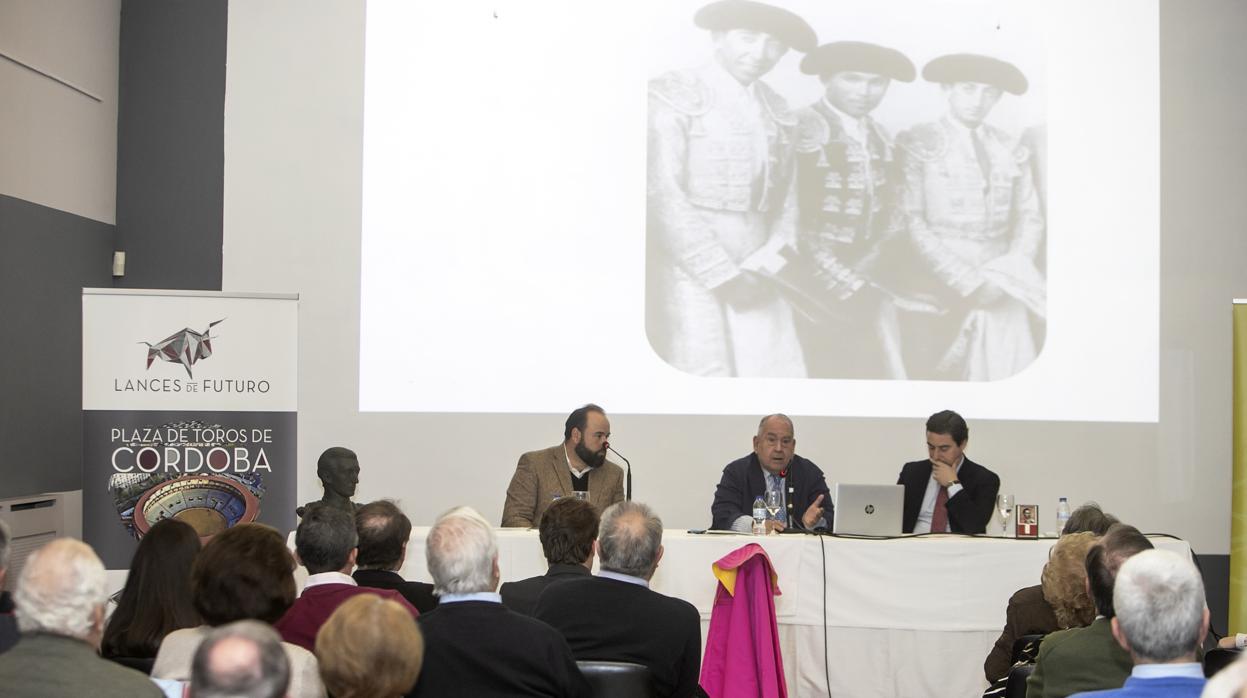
<point x="338" y="470"/>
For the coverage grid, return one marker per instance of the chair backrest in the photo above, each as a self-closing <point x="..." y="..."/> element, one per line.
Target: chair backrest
<point x="143" y="664"/>
<point x="1219" y="658"/>
<point x="617" y="679"/>
<point x="1020" y="645"/>
<point x="1016" y="688"/>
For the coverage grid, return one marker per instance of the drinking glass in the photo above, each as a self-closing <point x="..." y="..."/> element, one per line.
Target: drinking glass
<point x="1004" y="503"/>
<point x="772" y="503"/>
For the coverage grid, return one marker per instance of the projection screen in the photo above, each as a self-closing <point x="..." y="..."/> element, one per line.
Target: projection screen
<point x="537" y="228"/>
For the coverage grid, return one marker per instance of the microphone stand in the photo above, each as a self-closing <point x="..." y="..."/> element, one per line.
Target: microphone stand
<point x="792" y="522"/>
<point x="627" y="474"/>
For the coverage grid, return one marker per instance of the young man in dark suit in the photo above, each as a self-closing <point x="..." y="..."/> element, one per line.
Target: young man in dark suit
<point x="947" y="492"/>
<point x="568" y="529"/>
<point x="615" y="616"/>
<point x="383" y="532"/>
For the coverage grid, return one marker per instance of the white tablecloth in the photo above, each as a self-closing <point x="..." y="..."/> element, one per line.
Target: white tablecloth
<point x="909" y="617"/>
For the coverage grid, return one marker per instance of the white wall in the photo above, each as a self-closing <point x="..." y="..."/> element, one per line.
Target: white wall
<point x="58" y="146"/>
<point x="294" y="97"/>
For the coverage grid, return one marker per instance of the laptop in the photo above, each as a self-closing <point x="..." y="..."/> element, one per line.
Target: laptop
<point x="868" y="510"/>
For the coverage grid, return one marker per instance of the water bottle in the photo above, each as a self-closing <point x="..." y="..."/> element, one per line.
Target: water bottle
<point x="1062" y="515"/>
<point x="759" y="516"/>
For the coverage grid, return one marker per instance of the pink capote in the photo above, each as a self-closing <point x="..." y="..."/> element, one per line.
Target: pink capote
<point x="742" y="657"/>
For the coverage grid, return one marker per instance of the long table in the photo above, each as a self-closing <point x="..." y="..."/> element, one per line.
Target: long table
<point x="912" y="616"/>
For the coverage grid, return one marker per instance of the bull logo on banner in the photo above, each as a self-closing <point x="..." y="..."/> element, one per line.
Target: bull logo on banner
<point x="185" y="347"/>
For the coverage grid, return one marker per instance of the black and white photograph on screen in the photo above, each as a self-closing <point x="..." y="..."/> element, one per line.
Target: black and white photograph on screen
<point x="848" y="191"/>
<point x="872" y="208"/>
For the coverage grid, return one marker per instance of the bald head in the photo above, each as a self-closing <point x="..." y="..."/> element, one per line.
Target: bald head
<point x="244" y="659"/>
<point x="776" y="421"/>
<point x="232" y="655"/>
<point x="62" y="591"/>
<point x="630" y="540"/>
<point x="775" y="443"/>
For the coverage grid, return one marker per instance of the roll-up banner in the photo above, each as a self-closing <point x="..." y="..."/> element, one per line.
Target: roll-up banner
<point x="189" y="404"/>
<point x="1238" y="496"/>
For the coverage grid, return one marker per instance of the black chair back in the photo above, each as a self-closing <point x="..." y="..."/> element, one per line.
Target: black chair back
<point x="617" y="679"/>
<point x="1016" y="688"/>
<point x="1020" y="644"/>
<point x="1219" y="658"/>
<point x="143" y="664"/>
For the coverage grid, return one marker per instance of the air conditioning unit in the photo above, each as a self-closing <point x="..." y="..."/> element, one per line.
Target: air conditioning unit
<point x="35" y="520"/>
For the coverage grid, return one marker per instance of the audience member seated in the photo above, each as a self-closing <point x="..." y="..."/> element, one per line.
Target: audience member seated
<point x="1230" y="682"/>
<point x="567" y="531"/>
<point x="1089" y="517"/>
<point x="1060" y="601"/>
<point x="1161" y="621"/>
<point x="8" y="622"/>
<point x="383" y="531"/>
<point x="1089" y="659"/>
<point x="473" y="645"/>
<point x="325" y="543"/>
<point x="60" y="600"/>
<point x="1229" y="642"/>
<point x="615" y="616"/>
<point x="245" y="573"/>
<point x="157" y="597"/>
<point x="369" y="648"/>
<point x="244" y="659"/>
<point x="1064" y="581"/>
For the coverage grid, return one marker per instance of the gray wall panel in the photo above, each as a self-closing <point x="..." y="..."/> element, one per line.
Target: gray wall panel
<point x="170" y="154"/>
<point x="46" y="258"/>
<point x="1216" y="571"/>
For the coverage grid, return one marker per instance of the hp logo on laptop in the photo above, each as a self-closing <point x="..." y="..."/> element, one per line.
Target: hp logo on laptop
<point x="870" y="508"/>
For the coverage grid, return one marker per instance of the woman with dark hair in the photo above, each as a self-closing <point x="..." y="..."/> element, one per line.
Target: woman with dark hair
<point x="157" y="598"/>
<point x="244" y="573"/>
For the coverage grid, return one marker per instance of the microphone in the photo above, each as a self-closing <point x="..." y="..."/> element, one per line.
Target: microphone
<point x="627" y="473"/>
<point x="792" y="523"/>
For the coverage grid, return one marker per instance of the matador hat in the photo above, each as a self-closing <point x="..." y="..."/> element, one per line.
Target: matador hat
<point x="785" y="26"/>
<point x="970" y="67"/>
<point x="858" y="56"/>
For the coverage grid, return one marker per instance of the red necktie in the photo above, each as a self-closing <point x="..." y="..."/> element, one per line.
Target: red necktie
<point x="939" y="517"/>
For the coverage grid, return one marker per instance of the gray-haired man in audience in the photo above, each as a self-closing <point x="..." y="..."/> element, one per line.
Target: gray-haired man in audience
<point x="1161" y="621"/>
<point x="475" y="646"/>
<point x="60" y="598"/>
<point x="244" y="659"/>
<point x="617" y="617"/>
